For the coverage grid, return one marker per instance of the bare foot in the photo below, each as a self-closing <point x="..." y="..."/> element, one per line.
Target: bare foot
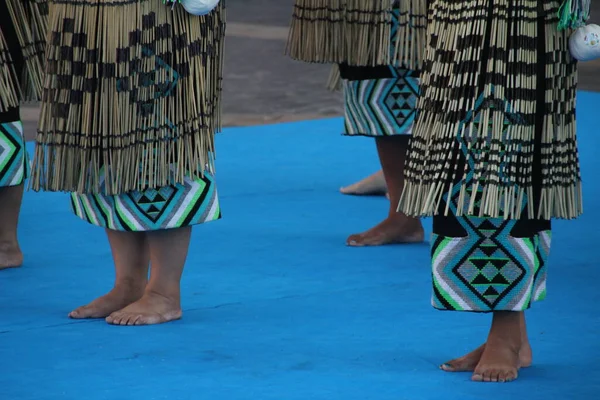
<point x="152" y="308"/>
<point x="393" y="230"/>
<point x="120" y="296"/>
<point x="500" y="360"/>
<point x="468" y="362"/>
<point x="373" y="185"/>
<point x="10" y="255"/>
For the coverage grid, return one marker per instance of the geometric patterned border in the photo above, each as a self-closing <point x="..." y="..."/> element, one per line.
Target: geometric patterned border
<point x="14" y="163"/>
<point x="489" y="271"/>
<point x="191" y="203"/>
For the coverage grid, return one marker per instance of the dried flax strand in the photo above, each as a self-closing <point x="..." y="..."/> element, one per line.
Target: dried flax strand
<point x="367" y="35"/>
<point x="9" y="87"/>
<point x="143" y="101"/>
<point x="411" y="34"/>
<point x="430" y="164"/>
<point x="30" y="23"/>
<point x="334" y="83"/>
<point x="562" y="192"/>
<point x="316" y="31"/>
<point x="30" y="18"/>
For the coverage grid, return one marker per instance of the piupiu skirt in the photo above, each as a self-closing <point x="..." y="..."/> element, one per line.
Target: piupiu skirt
<point x="494" y="153"/>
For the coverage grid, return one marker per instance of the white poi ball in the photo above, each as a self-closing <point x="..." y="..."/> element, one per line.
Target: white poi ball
<point x="199" y="7"/>
<point x="584" y="43"/>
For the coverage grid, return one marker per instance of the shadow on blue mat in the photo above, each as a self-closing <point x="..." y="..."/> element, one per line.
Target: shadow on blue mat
<point x="275" y="306"/>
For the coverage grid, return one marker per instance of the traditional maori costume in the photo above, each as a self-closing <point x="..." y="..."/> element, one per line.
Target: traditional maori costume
<point x="494" y="150"/>
<point x="376" y="48"/>
<point x="130" y="107"/>
<point x="23" y="25"/>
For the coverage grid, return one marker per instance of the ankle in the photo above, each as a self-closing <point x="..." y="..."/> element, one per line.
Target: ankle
<point x="131" y="284"/>
<point x="505" y="338"/>
<point x="171" y="294"/>
<point x="410" y="223"/>
<point x="506" y="330"/>
<point x="9" y="244"/>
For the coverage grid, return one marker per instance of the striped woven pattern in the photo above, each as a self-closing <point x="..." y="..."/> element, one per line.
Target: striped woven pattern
<point x="14" y="163"/>
<point x="383" y="106"/>
<point x="195" y="201"/>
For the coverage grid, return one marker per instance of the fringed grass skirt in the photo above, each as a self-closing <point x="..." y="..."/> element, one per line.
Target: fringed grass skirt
<point x="494" y="153"/>
<point x="23" y="26"/>
<point x="358" y="32"/>
<point x="496" y="118"/>
<point x="131" y="97"/>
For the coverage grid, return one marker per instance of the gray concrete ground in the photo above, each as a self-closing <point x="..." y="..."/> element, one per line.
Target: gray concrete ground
<point x="261" y="85"/>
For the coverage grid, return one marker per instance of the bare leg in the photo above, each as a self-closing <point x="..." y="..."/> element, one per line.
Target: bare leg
<point x="468" y="362"/>
<point x="10" y="208"/>
<point x="373" y="185"/>
<point x="397" y="227"/>
<point x="131" y="258"/>
<point x="161" y="301"/>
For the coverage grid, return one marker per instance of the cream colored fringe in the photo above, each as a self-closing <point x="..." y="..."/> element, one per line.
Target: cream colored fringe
<point x="9" y="88"/>
<point x="107" y="134"/>
<point x="334" y="83"/>
<point x="30" y="20"/>
<point x="427" y="177"/>
<point x="357" y="32"/>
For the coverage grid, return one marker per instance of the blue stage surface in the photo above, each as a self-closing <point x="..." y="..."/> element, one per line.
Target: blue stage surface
<point x="276" y="306"/>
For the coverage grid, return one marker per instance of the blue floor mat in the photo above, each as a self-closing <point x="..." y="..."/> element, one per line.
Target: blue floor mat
<point x="275" y="306"/>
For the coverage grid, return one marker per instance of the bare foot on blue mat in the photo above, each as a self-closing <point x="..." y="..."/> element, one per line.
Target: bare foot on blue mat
<point x="373" y="185"/>
<point x="468" y="362"/>
<point x="396" y="229"/>
<point x="499" y="362"/>
<point x="153" y="308"/>
<point x="500" y="359"/>
<point x="120" y="296"/>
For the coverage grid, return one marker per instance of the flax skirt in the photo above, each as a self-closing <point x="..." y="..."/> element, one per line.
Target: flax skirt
<point x="494" y="152"/>
<point x="130" y="132"/>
